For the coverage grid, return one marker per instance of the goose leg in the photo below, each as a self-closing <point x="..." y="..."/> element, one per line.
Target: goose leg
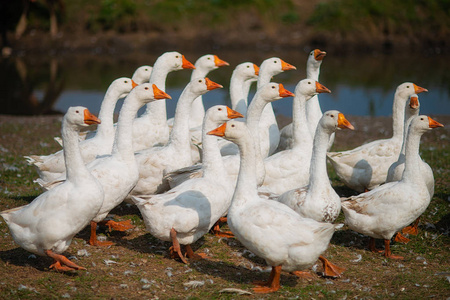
<point x="118" y="226"/>
<point x="387" y="251"/>
<point x="194" y="256"/>
<point x="330" y="269"/>
<point x="372" y="246"/>
<point x="216" y="229"/>
<point x="272" y="285"/>
<point x="93" y="240"/>
<point x="62" y="263"/>
<point x="400" y="238"/>
<point x="175" y="249"/>
<point x="413" y="229"/>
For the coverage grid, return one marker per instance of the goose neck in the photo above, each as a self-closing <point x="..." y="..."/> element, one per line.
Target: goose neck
<point x="211" y="157"/>
<point x="156" y="110"/>
<point x="318" y="169"/>
<point x="302" y="136"/>
<point x="106" y="114"/>
<point x="398" y="115"/>
<point x="412" y="157"/>
<point x="179" y="136"/>
<point x="75" y="167"/>
<point x="237" y="93"/>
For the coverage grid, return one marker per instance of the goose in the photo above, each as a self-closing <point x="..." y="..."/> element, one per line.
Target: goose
<point x="385" y="210"/>
<point x="155" y="162"/>
<point x="118" y="172"/>
<point x="268" y="127"/>
<point x="47" y="225"/>
<point x="266" y="94"/>
<point x="51" y="167"/>
<point x="317" y="199"/>
<point x="396" y="169"/>
<point x="269" y="229"/>
<point x="313" y="110"/>
<point x="366" y="166"/>
<point x="289" y="169"/>
<point x="151" y="127"/>
<point x="142" y="74"/>
<point x="185" y="213"/>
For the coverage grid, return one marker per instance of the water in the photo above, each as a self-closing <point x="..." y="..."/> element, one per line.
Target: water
<point x="360" y="84"/>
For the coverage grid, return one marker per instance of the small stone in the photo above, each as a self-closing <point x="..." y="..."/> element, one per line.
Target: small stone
<point x="123" y="286"/>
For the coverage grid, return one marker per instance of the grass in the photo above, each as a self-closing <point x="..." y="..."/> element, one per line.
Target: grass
<point x="141" y="268"/>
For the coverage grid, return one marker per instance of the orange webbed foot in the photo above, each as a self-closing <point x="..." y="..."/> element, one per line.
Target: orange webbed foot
<point x="330" y="269"/>
<point x="265" y="289"/>
<point x="303" y="274"/>
<point x="62" y="263"/>
<point x="399" y="238"/>
<point x="100" y="243"/>
<point x="119" y="226"/>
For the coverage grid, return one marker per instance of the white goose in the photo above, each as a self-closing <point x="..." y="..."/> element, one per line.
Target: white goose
<point x="151" y="127"/>
<point x="313" y="110"/>
<point x="187" y="212"/>
<point x="47" y="225"/>
<point x="51" y="167"/>
<point x="365" y="167"/>
<point x="142" y="74"/>
<point x="317" y="199"/>
<point x="387" y="209"/>
<point x="118" y="173"/>
<point x="155" y="162"/>
<point x="271" y="230"/>
<point x="289" y="169"/>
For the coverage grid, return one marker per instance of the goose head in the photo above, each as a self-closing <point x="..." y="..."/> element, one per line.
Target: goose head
<point x="275" y="65"/>
<point x="80" y="116"/>
<point x="175" y="61"/>
<point x="123" y="86"/>
<point x="413" y="107"/>
<point x="333" y="120"/>
<point x="202" y="85"/>
<point x="221" y="113"/>
<point x="148" y="92"/>
<point x="209" y="62"/>
<point x="423" y="124"/>
<point x="315" y="58"/>
<point x="308" y="88"/>
<point x="142" y="74"/>
<point x="247" y="71"/>
<point x="234" y="131"/>
<point x="273" y="91"/>
<point x="405" y="90"/>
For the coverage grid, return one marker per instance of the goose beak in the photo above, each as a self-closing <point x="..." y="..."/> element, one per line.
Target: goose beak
<point x="89" y="118"/>
<point x="433" y="124"/>
<point x="211" y="85"/>
<point x="320" y="88"/>
<point x="133" y="84"/>
<point x="219" y="62"/>
<point x="284" y="92"/>
<point x="232" y="114"/>
<point x="256" y="69"/>
<point x="319" y="55"/>
<point x="344" y="123"/>
<point x="286" y="67"/>
<point x="414" y="102"/>
<point x="186" y="64"/>
<point x="158" y="94"/>
<point x="219" y="131"/>
<point x="418" y="89"/>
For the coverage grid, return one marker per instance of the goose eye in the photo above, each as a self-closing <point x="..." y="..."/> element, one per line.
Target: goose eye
<point x="422" y="119"/>
<point x="232" y="125"/>
<point x="220" y="109"/>
<point x="176" y="56"/>
<point x="332" y="116"/>
<point x="146" y="69"/>
<point x="309" y="82"/>
<point x="126" y="81"/>
<point x="209" y="58"/>
<point x="273" y="86"/>
<point x="274" y="61"/>
<point x="407" y="86"/>
<point x="248" y="67"/>
<point x="77" y="111"/>
<point x="146" y="88"/>
<point x="200" y="80"/>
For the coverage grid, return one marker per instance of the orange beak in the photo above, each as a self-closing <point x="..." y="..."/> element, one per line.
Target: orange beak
<point x="211" y="85"/>
<point x="284" y="92"/>
<point x="133" y="84"/>
<point x="219" y="131"/>
<point x="186" y="64"/>
<point x="319" y="55"/>
<point x="414" y="102"/>
<point x="343" y="123"/>
<point x="286" y="67"/>
<point x="232" y="114"/>
<point x="219" y="62"/>
<point x="89" y="118"/>
<point x="433" y="124"/>
<point x="419" y="89"/>
<point x="256" y="69"/>
<point x="320" y="88"/>
<point x="158" y="94"/>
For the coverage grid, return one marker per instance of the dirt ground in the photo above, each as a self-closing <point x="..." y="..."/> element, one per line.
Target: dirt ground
<point x="138" y="266"/>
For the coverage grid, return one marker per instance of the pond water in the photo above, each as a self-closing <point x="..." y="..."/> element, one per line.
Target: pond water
<point x="361" y="84"/>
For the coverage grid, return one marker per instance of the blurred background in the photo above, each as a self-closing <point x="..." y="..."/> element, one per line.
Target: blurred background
<point x="59" y="53"/>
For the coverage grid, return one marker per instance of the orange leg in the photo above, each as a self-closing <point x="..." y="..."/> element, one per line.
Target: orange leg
<point x="93" y="240"/>
<point x="216" y="229"/>
<point x="272" y="285"/>
<point x="175" y="250"/>
<point x="413" y="229"/>
<point x="303" y="274"/>
<point x="62" y="263"/>
<point x="387" y="251"/>
<point x="372" y="246"/>
<point x="399" y="238"/>
<point x="194" y="256"/>
<point x="118" y="226"/>
<point x="329" y="269"/>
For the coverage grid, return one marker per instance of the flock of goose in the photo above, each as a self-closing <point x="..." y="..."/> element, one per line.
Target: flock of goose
<point x="188" y="173"/>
